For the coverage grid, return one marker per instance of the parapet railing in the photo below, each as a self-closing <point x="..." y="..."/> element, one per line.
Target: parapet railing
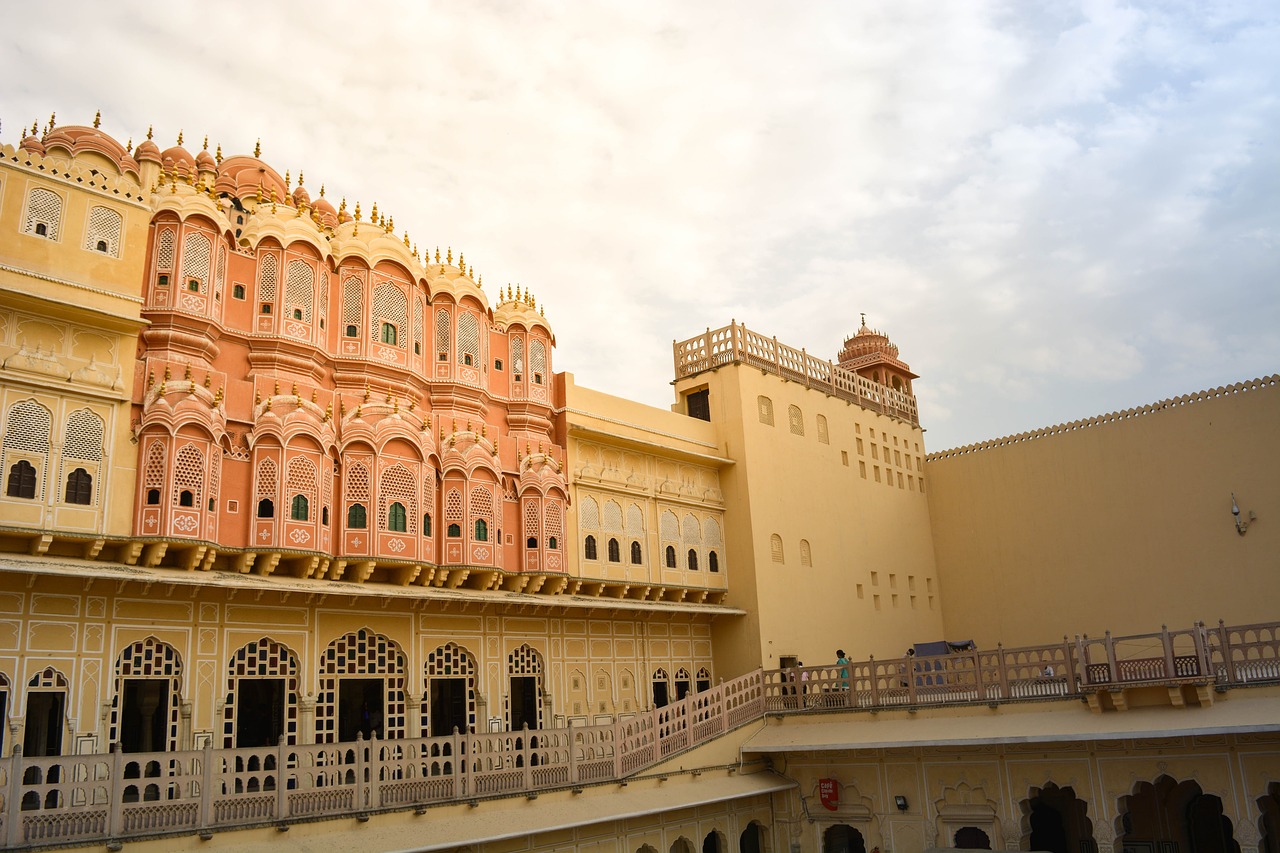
<point x="735" y="343"/>
<point x="1225" y="656"/>
<point x="68" y="799"/>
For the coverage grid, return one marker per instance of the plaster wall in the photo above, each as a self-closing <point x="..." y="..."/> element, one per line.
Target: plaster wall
<point x="1119" y="523"/>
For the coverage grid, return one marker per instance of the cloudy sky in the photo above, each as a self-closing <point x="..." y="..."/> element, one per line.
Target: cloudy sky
<point x="1055" y="210"/>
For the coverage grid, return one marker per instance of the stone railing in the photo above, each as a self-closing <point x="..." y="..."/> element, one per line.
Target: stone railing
<point x="72" y="799"/>
<point x="1224" y="656"/>
<point x="736" y="344"/>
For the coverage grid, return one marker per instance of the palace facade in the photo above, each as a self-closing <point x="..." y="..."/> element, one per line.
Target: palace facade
<point x="301" y="530"/>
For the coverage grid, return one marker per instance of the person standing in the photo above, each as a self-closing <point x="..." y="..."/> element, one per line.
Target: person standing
<point x="843" y="663"/>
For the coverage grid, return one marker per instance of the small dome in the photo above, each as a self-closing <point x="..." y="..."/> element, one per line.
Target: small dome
<point x="241" y="175"/>
<point x="205" y="162"/>
<point x="32" y="144"/>
<point x="178" y="158"/>
<point x="301" y="196"/>
<point x="148" y="150"/>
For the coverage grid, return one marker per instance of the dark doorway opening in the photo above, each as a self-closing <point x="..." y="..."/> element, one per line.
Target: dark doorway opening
<point x="682" y="688"/>
<point x="972" y="838"/>
<point x="843" y="838"/>
<point x="360" y="708"/>
<point x="43" y="732"/>
<point x="259" y="711"/>
<point x="144" y="716"/>
<point x="524" y="702"/>
<point x="1269" y="806"/>
<point x="1058" y="821"/>
<point x="448" y="706"/>
<point x="660" y="697"/>
<point x="749" y="841"/>
<point x="1173" y="816"/>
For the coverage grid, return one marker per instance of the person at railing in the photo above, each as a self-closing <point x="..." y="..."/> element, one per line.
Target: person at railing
<point x="843" y="663"/>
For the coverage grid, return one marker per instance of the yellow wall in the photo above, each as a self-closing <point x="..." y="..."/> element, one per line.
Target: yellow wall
<point x="1120" y="523"/>
<point x="871" y="588"/>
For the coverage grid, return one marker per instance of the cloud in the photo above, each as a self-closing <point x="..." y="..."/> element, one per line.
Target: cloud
<point x="1051" y="209"/>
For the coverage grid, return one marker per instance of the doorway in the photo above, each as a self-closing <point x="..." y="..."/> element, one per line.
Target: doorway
<point x="524" y="702"/>
<point x="660" y="698"/>
<point x="448" y="708"/>
<point x="843" y="838"/>
<point x="144" y="714"/>
<point x="44" y="723"/>
<point x="259" y="711"/>
<point x="360" y="708"/>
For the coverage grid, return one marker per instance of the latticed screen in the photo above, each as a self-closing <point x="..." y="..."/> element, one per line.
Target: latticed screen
<point x="537" y="357"/>
<point x="555" y="520"/>
<point x="635" y="520"/>
<point x="299" y="289"/>
<point x="267" y="480"/>
<point x="28" y="427"/>
<point x="165" y="254"/>
<point x="301" y="478"/>
<point x="692" y="531"/>
<point x="264" y="658"/>
<point x="532" y="529"/>
<point x="153" y="472"/>
<point x="443" y="327"/>
<point x="796" y="420"/>
<point x="669" y="525"/>
<point x="396" y="485"/>
<point x="612" y="517"/>
<point x="390" y="306"/>
<point x="589" y="514"/>
<point x="188" y="474"/>
<point x="149" y="658"/>
<point x="468" y="338"/>
<point x="267" y="278"/>
<point x="417" y="325"/>
<point x="517" y="355"/>
<point x="352" y="293"/>
<point x="453" y="505"/>
<point x="711" y="533"/>
<point x="44" y="213"/>
<point x="766" y="410"/>
<point x="450" y="661"/>
<point x="823" y="435"/>
<point x="481" y="505"/>
<point x="48" y="678"/>
<point x="367" y="655"/>
<point x="196" y="252"/>
<point x="104" y="228"/>
<point x="356" y="487"/>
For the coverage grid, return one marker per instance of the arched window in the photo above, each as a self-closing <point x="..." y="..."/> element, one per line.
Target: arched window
<point x="396" y="520"/>
<point x="357" y="517"/>
<point x="324" y="516"/>
<point x="237" y="291"/>
<point x="671" y="556"/>
<point x="713" y="562"/>
<point x="266" y="508"/>
<point x="635" y="554"/>
<point x="552" y="543"/>
<point x="22" y="480"/>
<point x="426" y="524"/>
<point x="297" y="313"/>
<point x="482" y="530"/>
<point x="79" y="487"/>
<point x="454" y="531"/>
<point x="766" y="410"/>
<point x="388" y="333"/>
<point x="693" y="560"/>
<point x="806" y="555"/>
<point x="351" y="330"/>
<point x="186" y="498"/>
<point x="775" y="548"/>
<point x="153" y="497"/>
<point x="193" y="285"/>
<point x="590" y="547"/>
<point x="299" y="510"/>
<point x="531" y="542"/>
<point x="795" y="418"/>
<point x="615" y="553"/>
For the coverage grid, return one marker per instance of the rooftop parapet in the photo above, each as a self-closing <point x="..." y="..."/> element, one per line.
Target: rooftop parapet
<point x="736" y="344"/>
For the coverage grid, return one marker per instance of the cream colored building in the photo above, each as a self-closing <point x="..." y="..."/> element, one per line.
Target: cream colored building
<point x="317" y="537"/>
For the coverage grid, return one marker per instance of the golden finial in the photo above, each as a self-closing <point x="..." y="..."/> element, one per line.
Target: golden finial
<point x="218" y="154"/>
<point x="357" y="414"/>
<point x="413" y="402"/>
<point x="186" y="374"/>
<point x="484" y="430"/>
<point x="167" y="374"/>
<point x="149" y="127"/>
<point x="406" y="239"/>
<point x="388" y="397"/>
<point x="322" y="191"/>
<point x="276" y="388"/>
<point x="161" y="392"/>
<point x="543" y="311"/>
<point x="179" y="137"/>
<point x="97" y="120"/>
<point x="437" y="254"/>
<point x="35" y="127"/>
<point x="269" y="404"/>
<point x="395" y="407"/>
<point x="151" y="378"/>
<point x="462" y="264"/>
<point x="415" y="246"/>
<point x="449" y="257"/>
<point x="313" y="395"/>
<point x="342" y="208"/>
<point x="453" y="425"/>
<point x="128" y="146"/>
<point x="471" y="273"/>
<point x="294" y="390"/>
<point x="273" y="199"/>
<point x="257" y="398"/>
<point x="204" y="146"/>
<point x="217" y="398"/>
<point x="357" y="211"/>
<point x="208" y="380"/>
<point x="53" y="117"/>
<point x="366" y="393"/>
<point x="257" y="148"/>
<point x="328" y="412"/>
<point x="468" y="424"/>
<point x="481" y="281"/>
<point x="373" y="214"/>
<point x="391" y="224"/>
<point x="288" y="181"/>
<point x="342" y="408"/>
<point x="300" y="178"/>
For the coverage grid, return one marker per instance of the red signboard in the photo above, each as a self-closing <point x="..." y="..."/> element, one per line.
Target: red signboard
<point x="829" y="793"/>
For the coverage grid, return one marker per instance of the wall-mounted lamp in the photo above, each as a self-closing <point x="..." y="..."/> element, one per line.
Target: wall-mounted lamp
<point x="1242" y="524"/>
<point x="901" y="802"/>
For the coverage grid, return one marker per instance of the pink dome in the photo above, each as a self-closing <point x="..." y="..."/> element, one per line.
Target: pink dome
<point x="148" y="150"/>
<point x="205" y="162"/>
<point x="178" y="158"/>
<point x="301" y="196"/>
<point x="240" y="176"/>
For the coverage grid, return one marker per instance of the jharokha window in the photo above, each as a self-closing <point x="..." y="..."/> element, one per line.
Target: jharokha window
<point x="590" y="548"/>
<point x="357" y="517"/>
<point x="299" y="510"/>
<point x="22" y="480"/>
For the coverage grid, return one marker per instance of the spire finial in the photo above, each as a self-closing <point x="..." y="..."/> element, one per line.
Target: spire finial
<point x="449" y="256"/>
<point x="149" y="129"/>
<point x="288" y="180"/>
<point x="204" y="146"/>
<point x="257" y="148"/>
<point x="179" y="137"/>
<point x="322" y="191"/>
<point x="128" y="146"/>
<point x="218" y="156"/>
<point x="97" y="120"/>
<point x="357" y="211"/>
<point x="300" y="178"/>
<point x="864" y="319"/>
<point x="53" y="117"/>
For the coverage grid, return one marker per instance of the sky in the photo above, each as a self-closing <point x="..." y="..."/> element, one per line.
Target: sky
<point x="1055" y="210"/>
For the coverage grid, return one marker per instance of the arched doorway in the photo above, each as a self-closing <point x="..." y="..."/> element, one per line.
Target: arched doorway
<point x="262" y="695"/>
<point x="361" y="689"/>
<point x="145" y="705"/>
<point x="1055" y="820"/>
<point x="752" y="839"/>
<point x="449" y="701"/>
<point x="524" y="699"/>
<point x="972" y="838"/>
<point x="714" y="843"/>
<point x="1174" y="817"/>
<point x="681" y="845"/>
<point x="843" y="838"/>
